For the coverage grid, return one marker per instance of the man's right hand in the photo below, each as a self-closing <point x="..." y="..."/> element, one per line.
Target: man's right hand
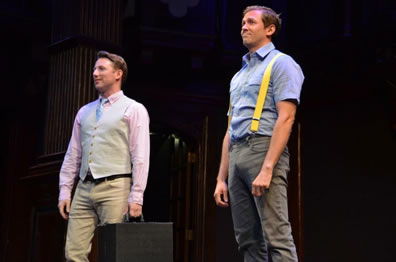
<point x="64" y="208"/>
<point x="221" y="194"/>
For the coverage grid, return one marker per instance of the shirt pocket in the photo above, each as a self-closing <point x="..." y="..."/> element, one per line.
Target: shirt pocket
<point x="254" y="79"/>
<point x="251" y="89"/>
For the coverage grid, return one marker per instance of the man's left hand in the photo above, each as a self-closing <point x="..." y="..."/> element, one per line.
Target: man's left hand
<point x="261" y="183"/>
<point x="135" y="210"/>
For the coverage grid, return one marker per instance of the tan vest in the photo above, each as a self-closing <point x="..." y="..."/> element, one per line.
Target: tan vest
<point x="105" y="144"/>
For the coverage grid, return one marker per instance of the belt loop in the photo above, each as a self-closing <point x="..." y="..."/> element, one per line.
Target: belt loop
<point x="249" y="137"/>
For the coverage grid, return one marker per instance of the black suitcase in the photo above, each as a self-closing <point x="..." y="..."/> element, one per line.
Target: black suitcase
<point x="136" y="242"/>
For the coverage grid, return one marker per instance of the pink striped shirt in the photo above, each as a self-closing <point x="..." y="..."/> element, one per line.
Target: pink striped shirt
<point x="137" y="118"/>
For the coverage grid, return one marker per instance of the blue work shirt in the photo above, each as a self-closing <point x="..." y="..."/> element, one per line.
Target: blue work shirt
<point x="285" y="83"/>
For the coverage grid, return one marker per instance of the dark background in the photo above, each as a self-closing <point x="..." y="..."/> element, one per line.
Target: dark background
<point x="347" y="50"/>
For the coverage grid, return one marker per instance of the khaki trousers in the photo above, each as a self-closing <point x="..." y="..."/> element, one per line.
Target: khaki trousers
<point x="93" y="205"/>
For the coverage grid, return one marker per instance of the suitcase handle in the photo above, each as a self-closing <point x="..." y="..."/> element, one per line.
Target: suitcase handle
<point x="129" y="219"/>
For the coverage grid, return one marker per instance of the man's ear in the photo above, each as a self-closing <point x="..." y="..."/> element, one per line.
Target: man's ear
<point x="119" y="74"/>
<point x="270" y="30"/>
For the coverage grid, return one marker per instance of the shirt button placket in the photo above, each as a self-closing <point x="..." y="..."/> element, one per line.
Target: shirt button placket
<point x="90" y="151"/>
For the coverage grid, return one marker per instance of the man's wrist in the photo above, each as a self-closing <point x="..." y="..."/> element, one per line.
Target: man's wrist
<point x="135" y="203"/>
<point x="221" y="179"/>
<point x="267" y="167"/>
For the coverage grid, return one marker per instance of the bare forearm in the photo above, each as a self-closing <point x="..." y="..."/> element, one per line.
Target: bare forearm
<point x="279" y="139"/>
<point x="221" y="194"/>
<point x="280" y="136"/>
<point x="223" y="171"/>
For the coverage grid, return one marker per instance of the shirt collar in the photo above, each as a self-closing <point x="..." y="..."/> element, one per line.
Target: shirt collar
<point x="114" y="97"/>
<point x="262" y="52"/>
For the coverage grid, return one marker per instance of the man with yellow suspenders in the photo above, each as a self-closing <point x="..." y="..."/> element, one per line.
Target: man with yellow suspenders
<point x="264" y="96"/>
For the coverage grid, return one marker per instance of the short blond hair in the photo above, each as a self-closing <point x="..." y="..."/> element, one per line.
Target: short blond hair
<point x="269" y="17"/>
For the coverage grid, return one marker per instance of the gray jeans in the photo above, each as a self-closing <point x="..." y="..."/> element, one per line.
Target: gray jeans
<point x="261" y="224"/>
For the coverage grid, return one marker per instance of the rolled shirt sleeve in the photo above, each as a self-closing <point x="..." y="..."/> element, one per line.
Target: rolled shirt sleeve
<point x="287" y="78"/>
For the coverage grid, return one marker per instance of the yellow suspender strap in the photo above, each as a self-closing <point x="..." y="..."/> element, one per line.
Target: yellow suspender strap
<point x="262" y="94"/>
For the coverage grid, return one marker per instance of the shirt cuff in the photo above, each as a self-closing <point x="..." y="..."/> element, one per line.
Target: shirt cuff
<point x="64" y="194"/>
<point x="136" y="197"/>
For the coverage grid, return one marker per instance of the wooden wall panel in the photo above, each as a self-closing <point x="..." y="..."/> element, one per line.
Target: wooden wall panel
<point x="101" y="20"/>
<point x="70" y="88"/>
<point x="47" y="242"/>
<point x="72" y="58"/>
<point x="96" y="19"/>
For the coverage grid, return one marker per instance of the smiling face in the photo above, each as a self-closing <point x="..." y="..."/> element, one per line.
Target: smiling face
<point x="107" y="79"/>
<point x="254" y="33"/>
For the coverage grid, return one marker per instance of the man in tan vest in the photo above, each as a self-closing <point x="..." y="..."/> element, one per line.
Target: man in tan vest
<point x="109" y="151"/>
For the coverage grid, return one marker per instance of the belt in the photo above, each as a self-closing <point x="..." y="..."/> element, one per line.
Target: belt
<point x="90" y="178"/>
<point x="245" y="139"/>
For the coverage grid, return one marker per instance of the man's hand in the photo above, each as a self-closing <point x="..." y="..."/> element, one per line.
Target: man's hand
<point x="64" y="208"/>
<point x="221" y="194"/>
<point x="261" y="183"/>
<point x="135" y="210"/>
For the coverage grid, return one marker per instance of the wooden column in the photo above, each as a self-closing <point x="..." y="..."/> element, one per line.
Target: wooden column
<point x="70" y="87"/>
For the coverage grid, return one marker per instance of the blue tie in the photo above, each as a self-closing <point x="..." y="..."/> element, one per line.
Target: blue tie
<point x="99" y="109"/>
